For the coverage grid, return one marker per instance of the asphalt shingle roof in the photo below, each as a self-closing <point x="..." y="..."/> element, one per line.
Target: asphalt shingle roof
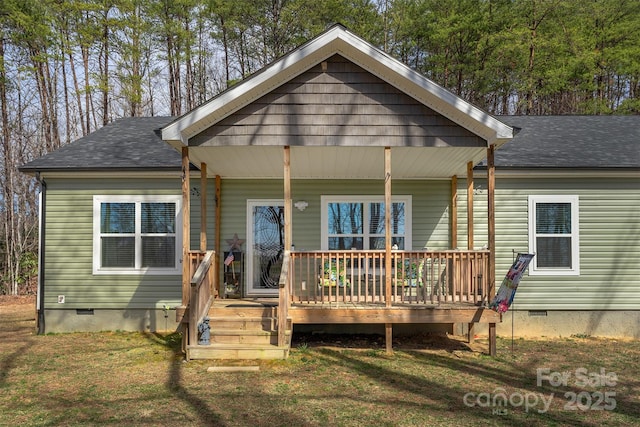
<point x="574" y="142"/>
<point x="133" y="143"/>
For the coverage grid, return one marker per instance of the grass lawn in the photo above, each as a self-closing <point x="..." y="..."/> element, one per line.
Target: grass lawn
<point x="141" y="380"/>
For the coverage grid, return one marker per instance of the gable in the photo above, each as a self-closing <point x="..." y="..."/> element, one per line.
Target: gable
<point x="336" y="103"/>
<point x="337" y="40"/>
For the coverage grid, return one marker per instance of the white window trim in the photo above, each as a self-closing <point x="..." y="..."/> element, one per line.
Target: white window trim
<point x="324" y="219"/>
<point x="575" y="237"/>
<point x="137" y="199"/>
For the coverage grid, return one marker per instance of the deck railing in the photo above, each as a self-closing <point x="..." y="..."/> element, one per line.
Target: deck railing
<point x="417" y="277"/>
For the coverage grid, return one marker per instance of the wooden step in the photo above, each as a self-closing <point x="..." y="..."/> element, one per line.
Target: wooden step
<point x="243" y="323"/>
<point x="243" y="336"/>
<point x="242" y="310"/>
<point x="237" y="352"/>
<point x="242" y="330"/>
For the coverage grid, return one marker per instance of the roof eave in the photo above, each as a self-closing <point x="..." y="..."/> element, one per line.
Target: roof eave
<point x="33" y="171"/>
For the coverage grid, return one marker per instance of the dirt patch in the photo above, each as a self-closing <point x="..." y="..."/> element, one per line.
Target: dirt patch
<point x="427" y="341"/>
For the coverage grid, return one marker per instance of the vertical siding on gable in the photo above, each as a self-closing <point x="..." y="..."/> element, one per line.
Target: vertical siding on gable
<point x="69" y="249"/>
<point x="609" y="210"/>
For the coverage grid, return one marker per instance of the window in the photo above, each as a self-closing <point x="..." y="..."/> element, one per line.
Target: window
<point x="553" y="235"/>
<point x="357" y="222"/>
<point x="136" y="234"/>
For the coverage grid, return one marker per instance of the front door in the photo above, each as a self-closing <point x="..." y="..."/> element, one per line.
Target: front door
<point x="265" y="246"/>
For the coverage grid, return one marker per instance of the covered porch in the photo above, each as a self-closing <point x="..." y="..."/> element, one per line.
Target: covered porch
<point x="331" y="121"/>
<point x="354" y="286"/>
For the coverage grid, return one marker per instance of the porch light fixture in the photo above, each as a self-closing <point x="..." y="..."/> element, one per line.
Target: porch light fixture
<point x="301" y="205"/>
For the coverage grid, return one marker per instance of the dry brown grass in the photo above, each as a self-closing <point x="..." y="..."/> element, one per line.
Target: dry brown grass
<point x="140" y="379"/>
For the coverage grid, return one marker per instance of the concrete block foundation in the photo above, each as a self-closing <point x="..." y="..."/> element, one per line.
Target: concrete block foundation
<point x="96" y="320"/>
<point x="564" y="323"/>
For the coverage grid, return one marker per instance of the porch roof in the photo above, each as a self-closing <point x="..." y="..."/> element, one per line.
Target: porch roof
<point x="346" y="158"/>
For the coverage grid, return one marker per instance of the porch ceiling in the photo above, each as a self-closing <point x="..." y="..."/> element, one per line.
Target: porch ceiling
<point x="266" y="162"/>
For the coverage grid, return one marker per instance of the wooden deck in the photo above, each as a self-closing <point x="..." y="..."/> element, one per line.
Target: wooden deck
<point x="336" y="287"/>
<point x="355" y="313"/>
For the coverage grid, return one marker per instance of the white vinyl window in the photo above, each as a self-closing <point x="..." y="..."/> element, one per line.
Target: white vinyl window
<point x="553" y="235"/>
<point x="357" y="222"/>
<point x="136" y="235"/>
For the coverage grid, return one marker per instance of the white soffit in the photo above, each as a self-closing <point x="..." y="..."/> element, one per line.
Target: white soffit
<point x="338" y="40"/>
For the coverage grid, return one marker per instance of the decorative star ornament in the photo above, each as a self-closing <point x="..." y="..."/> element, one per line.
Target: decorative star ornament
<point x="235" y="243"/>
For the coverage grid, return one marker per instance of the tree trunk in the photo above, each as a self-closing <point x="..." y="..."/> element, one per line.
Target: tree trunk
<point x="7" y="154"/>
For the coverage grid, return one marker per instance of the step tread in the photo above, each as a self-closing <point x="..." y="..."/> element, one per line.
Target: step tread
<point x="232" y="332"/>
<point x="238" y="352"/>
<point x="236" y="346"/>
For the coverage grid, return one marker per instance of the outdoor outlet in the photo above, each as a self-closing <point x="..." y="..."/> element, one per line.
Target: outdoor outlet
<point x="60" y="299"/>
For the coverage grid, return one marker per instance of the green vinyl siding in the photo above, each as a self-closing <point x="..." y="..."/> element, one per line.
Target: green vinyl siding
<point x="69" y="249"/>
<point x="429" y="199"/>
<point x="609" y="235"/>
<point x="195" y="217"/>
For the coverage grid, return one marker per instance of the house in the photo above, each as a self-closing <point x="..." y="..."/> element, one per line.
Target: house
<point x="337" y="187"/>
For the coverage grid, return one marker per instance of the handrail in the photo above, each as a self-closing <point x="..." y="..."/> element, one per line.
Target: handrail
<point x="201" y="294"/>
<point x="202" y="269"/>
<point x="283" y="298"/>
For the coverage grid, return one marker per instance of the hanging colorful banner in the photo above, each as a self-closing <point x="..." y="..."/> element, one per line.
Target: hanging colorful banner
<point x="504" y="297"/>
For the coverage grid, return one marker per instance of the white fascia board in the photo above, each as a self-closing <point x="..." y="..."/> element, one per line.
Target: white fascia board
<point x="116" y="174"/>
<point x="529" y="173"/>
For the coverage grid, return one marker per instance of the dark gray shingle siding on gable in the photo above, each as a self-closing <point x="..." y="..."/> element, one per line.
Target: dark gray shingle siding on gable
<point x="133" y="143"/>
<point x="574" y="142"/>
<point x="338" y="103"/>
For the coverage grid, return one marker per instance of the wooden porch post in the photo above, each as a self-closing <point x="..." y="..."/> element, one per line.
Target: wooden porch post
<point x="283" y="294"/>
<point x="491" y="186"/>
<point x="454" y="212"/>
<point x="186" y="227"/>
<point x="203" y="207"/>
<point x="470" y="238"/>
<point x="218" y="209"/>
<point x="387" y="244"/>
<point x="470" y="243"/>
<point x="287" y="198"/>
